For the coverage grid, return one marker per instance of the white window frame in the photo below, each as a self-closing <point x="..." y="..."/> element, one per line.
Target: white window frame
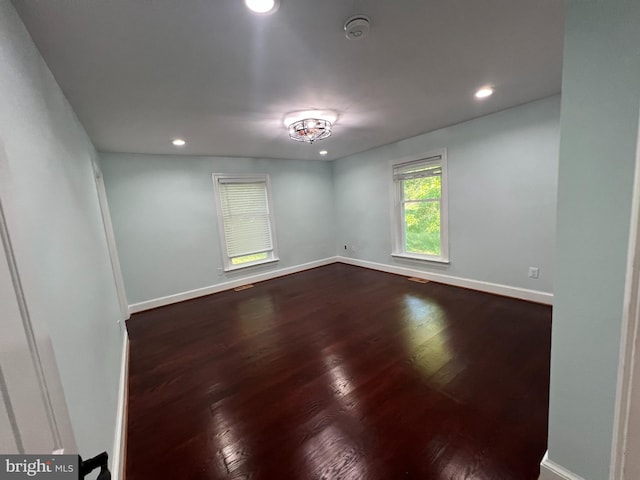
<point x="397" y="213"/>
<point x="272" y="256"/>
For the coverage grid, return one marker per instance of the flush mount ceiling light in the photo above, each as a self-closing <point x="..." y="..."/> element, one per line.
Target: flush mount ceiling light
<point x="484" y="92"/>
<point x="310" y="130"/>
<point x="178" y="142"/>
<point x="262" y="7"/>
<point x="323" y="152"/>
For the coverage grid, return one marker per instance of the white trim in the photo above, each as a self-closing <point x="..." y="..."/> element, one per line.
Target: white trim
<point x="200" y="292"/>
<point x="103" y="202"/>
<point x="268" y="260"/>
<point x="495" y="288"/>
<point x="423" y="258"/>
<point x="550" y="470"/>
<point x="119" y="442"/>
<point x="628" y="363"/>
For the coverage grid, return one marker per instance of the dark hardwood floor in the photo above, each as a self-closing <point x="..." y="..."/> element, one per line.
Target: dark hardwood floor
<point x="339" y="373"/>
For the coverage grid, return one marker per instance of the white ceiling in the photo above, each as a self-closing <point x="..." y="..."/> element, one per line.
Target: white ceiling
<point x="139" y="73"/>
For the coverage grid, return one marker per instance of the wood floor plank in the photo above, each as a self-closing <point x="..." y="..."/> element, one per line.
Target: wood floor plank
<point x="339" y="373"/>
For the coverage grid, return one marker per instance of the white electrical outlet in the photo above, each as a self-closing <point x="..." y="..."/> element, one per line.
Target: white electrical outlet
<point x="534" y="272"/>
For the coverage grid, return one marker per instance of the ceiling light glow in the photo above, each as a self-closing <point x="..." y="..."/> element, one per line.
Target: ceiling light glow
<point x="484" y="92"/>
<point x="292" y="117"/>
<point x="178" y="142"/>
<point x="262" y="7"/>
<point x="323" y="152"/>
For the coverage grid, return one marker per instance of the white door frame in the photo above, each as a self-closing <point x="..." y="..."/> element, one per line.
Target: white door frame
<point x="628" y="391"/>
<point x="111" y="239"/>
<point x="32" y="394"/>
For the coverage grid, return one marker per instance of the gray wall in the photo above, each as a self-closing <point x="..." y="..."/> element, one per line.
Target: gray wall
<point x="599" y="126"/>
<point x="164" y="218"/>
<point x="53" y="216"/>
<point x="502" y="196"/>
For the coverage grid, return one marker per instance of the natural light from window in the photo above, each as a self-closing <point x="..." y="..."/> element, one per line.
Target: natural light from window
<point x="249" y="258"/>
<point x="421" y="198"/>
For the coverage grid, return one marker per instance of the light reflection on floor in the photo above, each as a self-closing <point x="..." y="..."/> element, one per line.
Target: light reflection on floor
<point x="231" y="452"/>
<point x="332" y="454"/>
<point x="427" y="337"/>
<point x="340" y="383"/>
<point x="256" y="315"/>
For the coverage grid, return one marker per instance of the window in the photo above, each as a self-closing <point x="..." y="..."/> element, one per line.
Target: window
<point x="420" y="207"/>
<point x="245" y="220"/>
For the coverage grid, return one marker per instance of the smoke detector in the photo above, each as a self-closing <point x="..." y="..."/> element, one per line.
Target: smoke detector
<point x="357" y="27"/>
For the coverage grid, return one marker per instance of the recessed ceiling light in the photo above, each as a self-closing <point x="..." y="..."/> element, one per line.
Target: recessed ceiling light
<point x="484" y="92"/>
<point x="262" y="7"/>
<point x="323" y="152"/>
<point x="178" y="142"/>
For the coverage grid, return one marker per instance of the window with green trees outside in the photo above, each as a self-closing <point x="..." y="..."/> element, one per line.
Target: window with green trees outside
<point x="421" y="227"/>
<point x="421" y="200"/>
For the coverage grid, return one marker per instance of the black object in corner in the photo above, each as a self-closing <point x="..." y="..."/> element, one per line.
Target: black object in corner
<point x="101" y="460"/>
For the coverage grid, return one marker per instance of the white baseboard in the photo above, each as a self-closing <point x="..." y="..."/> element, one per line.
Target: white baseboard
<point x="118" y="453"/>
<point x="220" y="287"/>
<point x="495" y="288"/>
<point x="550" y="470"/>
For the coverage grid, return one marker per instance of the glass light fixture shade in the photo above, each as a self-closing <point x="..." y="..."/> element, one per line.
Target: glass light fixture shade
<point x="310" y="130"/>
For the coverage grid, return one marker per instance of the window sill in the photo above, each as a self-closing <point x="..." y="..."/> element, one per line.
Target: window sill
<point x="409" y="256"/>
<point x="233" y="268"/>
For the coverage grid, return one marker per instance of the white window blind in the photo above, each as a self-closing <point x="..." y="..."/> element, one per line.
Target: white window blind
<point x="428" y="167"/>
<point x="245" y="214"/>
<point x="246" y="220"/>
